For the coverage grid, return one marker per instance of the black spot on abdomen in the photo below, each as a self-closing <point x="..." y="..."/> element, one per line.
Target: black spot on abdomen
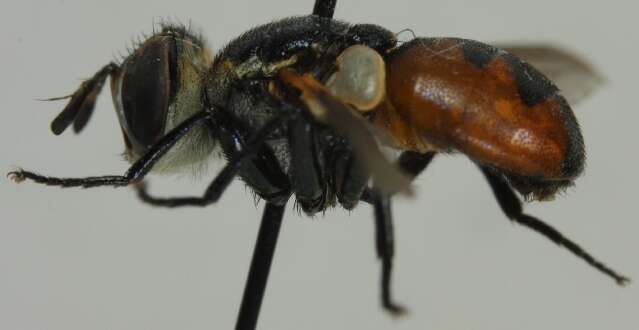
<point x="477" y="53"/>
<point x="532" y="85"/>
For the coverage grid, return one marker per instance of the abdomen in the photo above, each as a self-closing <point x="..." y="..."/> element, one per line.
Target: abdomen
<point x="462" y="95"/>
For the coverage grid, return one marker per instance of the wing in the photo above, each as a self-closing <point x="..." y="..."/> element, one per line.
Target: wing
<point x="574" y="76"/>
<point x="329" y="110"/>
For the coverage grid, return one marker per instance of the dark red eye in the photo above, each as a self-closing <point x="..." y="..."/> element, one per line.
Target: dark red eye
<point x="147" y="86"/>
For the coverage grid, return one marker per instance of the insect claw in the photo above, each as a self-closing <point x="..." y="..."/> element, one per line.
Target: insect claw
<point x="16" y="176"/>
<point x="398" y="312"/>
<point x="623" y="281"/>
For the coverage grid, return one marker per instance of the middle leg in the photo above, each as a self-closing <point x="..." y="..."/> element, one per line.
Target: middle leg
<point x="412" y="164"/>
<point x="385" y="245"/>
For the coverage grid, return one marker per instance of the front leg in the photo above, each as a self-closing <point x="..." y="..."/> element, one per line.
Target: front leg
<point x="224" y="178"/>
<point x="135" y="173"/>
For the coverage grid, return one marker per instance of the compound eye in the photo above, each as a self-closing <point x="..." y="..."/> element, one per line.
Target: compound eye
<point x="147" y="84"/>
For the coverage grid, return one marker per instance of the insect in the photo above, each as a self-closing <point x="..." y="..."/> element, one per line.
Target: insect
<point x="299" y="107"/>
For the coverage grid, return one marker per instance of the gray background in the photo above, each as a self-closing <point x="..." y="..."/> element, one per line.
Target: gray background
<point x="99" y="259"/>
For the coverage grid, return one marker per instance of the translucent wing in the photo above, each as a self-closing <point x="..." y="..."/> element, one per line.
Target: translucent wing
<point x="574" y="76"/>
<point x="329" y="110"/>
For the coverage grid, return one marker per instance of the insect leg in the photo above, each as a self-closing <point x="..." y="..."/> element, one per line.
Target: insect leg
<point x="306" y="176"/>
<point x="512" y="207"/>
<point x="226" y="175"/>
<point x="414" y="163"/>
<point x="82" y="102"/>
<point x="350" y="179"/>
<point x="385" y="242"/>
<point x="411" y="163"/>
<point x="324" y="8"/>
<point x="135" y="173"/>
<point x="260" y="266"/>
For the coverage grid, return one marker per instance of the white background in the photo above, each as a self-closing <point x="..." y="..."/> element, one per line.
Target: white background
<point x="98" y="259"/>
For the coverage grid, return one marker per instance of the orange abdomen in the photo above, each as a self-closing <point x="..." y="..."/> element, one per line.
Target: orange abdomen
<point x="455" y="94"/>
